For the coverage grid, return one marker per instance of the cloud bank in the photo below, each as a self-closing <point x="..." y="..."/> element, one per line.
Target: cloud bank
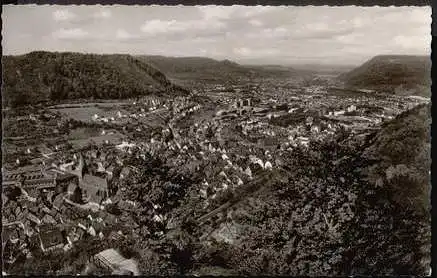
<point x="246" y="34"/>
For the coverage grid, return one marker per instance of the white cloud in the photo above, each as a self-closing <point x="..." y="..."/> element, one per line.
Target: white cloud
<point x="244" y="51"/>
<point x="63" y="15"/>
<point x="103" y="13"/>
<point x="357" y="22"/>
<point x="74" y="33"/>
<point x="157" y="26"/>
<point x="250" y="11"/>
<point x="293" y="33"/>
<point x="122" y="34"/>
<point x="413" y="43"/>
<point x="255" y="22"/>
<point x="317" y="26"/>
<point x="349" y="38"/>
<point x="216" y="12"/>
<point x="270" y="33"/>
<point x="277" y="31"/>
<point x="248" y="52"/>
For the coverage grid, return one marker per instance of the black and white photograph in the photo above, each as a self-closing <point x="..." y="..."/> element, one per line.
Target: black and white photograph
<point x="216" y="140"/>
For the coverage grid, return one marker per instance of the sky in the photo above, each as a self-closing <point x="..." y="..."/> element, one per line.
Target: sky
<point x="284" y="35"/>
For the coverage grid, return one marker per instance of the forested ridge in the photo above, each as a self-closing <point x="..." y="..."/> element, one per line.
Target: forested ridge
<point x="400" y="158"/>
<point x="207" y="69"/>
<point x="51" y="76"/>
<point x="391" y="72"/>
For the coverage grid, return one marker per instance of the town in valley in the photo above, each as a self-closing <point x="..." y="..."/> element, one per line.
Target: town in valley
<point x="267" y="170"/>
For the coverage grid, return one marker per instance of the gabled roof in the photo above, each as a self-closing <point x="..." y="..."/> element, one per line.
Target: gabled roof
<point x="65" y="176"/>
<point x="24" y="169"/>
<point x="49" y="219"/>
<point x="71" y="187"/>
<point x="57" y="202"/>
<point x="33" y="218"/>
<point x="111" y="256"/>
<point x="51" y="237"/>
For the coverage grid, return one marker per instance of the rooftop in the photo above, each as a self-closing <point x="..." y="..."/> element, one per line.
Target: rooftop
<point x="111" y="256"/>
<point x="51" y="237"/>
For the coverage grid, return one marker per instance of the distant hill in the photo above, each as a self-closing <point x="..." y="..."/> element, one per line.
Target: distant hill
<point x="51" y="76"/>
<point x="400" y="74"/>
<point x="324" y="68"/>
<point x="207" y="69"/>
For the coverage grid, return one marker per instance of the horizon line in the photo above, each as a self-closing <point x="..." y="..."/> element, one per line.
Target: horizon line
<point x="247" y="63"/>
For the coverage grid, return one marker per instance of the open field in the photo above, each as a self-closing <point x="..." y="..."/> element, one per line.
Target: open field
<point x="86" y="113"/>
<point x="80" y="137"/>
<point x="98" y="140"/>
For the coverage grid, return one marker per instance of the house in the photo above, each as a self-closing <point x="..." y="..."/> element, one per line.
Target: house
<point x="248" y="171"/>
<point x="351" y="108"/>
<point x="35" y="220"/>
<point x="5" y="199"/>
<point x="46" y="210"/>
<point x="125" y="205"/>
<point x="124" y="172"/>
<point x="66" y="181"/>
<point x="315" y="129"/>
<point x="58" y="201"/>
<point x="48" y="219"/>
<point x="113" y="262"/>
<point x="110" y="171"/>
<point x="32" y="179"/>
<point x="303" y="141"/>
<point x="125" y="146"/>
<point x="67" y="166"/>
<point x="76" y="234"/>
<point x="51" y="239"/>
<point x="337" y="113"/>
<point x="71" y="187"/>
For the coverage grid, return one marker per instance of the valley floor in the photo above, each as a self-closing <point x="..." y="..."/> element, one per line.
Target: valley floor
<point x="279" y="181"/>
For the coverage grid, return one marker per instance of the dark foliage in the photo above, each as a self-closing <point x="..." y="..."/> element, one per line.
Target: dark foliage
<point x="400" y="158"/>
<point x="46" y="76"/>
<point x="207" y="69"/>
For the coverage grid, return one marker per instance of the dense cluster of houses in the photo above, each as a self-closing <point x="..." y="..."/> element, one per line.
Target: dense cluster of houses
<point x="40" y="202"/>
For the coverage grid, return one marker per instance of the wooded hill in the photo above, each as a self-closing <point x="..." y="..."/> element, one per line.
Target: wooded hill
<point x="210" y="70"/>
<point x="51" y="76"/>
<point x="399" y="158"/>
<point x="400" y="74"/>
